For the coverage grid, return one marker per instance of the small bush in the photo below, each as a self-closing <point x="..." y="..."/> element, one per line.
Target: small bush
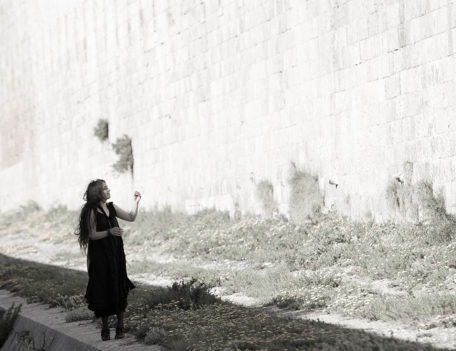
<point x="7" y="319"/>
<point x="431" y="207"/>
<point x="79" y="314"/>
<point x="184" y="295"/>
<point x="415" y="203"/>
<point x="123" y="148"/>
<point x="306" y="199"/>
<point x="440" y="231"/>
<point x="155" y="335"/>
<point x="101" y="131"/>
<point x="287" y="302"/>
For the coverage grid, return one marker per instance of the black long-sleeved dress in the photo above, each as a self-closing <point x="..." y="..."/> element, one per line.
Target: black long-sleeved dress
<point x="108" y="286"/>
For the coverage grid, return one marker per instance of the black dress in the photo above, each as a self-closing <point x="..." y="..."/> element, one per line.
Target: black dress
<point x="108" y="286"/>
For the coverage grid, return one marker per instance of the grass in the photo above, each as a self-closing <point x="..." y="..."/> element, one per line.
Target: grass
<point x="184" y="295"/>
<point x="411" y="307"/>
<point x="7" y="319"/>
<point x="62" y="287"/>
<point x="79" y="314"/>
<point x="186" y="316"/>
<point x="416" y="202"/>
<point x="300" y="266"/>
<point x="264" y="284"/>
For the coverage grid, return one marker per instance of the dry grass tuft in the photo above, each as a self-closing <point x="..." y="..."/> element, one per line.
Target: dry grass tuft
<point x="79" y="314"/>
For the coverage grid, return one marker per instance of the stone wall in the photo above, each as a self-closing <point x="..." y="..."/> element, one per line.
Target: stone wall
<point x="219" y="96"/>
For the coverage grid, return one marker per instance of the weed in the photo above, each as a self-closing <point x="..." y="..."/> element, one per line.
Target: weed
<point x="415" y="202"/>
<point x="101" y="131"/>
<point x="408" y="307"/>
<point x="79" y="314"/>
<point x="184" y="295"/>
<point x="155" y="335"/>
<point x="123" y="148"/>
<point x="53" y="286"/>
<point x="431" y="207"/>
<point x="302" y="302"/>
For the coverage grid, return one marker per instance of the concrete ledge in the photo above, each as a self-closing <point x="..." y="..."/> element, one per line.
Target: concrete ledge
<point x="47" y="328"/>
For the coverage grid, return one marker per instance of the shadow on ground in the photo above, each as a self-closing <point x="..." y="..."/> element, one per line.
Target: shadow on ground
<point x="186" y="316"/>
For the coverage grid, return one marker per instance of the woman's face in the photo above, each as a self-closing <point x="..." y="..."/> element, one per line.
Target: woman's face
<point x="106" y="192"/>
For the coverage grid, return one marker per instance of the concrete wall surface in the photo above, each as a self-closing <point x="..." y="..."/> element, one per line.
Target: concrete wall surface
<point x="220" y="95"/>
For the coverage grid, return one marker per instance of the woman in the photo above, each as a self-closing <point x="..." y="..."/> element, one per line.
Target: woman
<point x="99" y="231"/>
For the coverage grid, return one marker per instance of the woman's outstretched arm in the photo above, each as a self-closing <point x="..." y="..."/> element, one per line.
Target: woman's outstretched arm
<point x="129" y="216"/>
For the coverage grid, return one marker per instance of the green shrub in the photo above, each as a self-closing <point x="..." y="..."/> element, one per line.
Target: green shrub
<point x="155" y="335"/>
<point x="184" y="295"/>
<point x="123" y="148"/>
<point x="101" y="131"/>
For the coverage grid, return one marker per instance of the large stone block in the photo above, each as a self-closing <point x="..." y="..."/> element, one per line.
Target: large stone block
<point x="196" y="84"/>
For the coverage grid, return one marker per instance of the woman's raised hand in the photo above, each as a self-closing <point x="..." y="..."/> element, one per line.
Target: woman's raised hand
<point x="137" y="196"/>
<point x="117" y="231"/>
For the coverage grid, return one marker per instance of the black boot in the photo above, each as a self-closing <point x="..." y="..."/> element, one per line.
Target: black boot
<point x="119" y="328"/>
<point x="105" y="332"/>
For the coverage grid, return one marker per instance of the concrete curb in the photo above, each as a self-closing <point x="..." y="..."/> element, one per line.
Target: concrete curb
<point x="42" y="326"/>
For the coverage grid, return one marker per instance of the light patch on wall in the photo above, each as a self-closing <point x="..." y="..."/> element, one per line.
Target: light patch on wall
<point x="12" y="141"/>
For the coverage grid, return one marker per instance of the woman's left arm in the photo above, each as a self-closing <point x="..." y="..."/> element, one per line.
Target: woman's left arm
<point x="129" y="216"/>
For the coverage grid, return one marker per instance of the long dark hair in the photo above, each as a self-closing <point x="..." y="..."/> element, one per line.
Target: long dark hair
<point x="93" y="195"/>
